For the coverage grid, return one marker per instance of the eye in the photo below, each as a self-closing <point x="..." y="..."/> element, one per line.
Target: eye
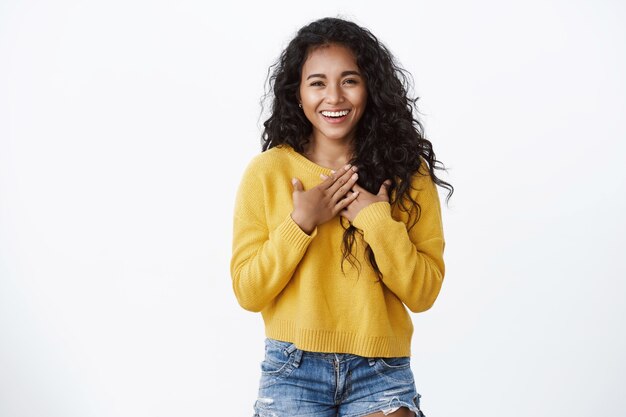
<point x="351" y="81"/>
<point x="317" y="84"/>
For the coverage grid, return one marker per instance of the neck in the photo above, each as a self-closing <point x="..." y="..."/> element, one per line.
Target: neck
<point x="329" y="154"/>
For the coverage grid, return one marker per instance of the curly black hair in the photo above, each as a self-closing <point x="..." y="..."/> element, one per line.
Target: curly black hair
<point x="389" y="139"/>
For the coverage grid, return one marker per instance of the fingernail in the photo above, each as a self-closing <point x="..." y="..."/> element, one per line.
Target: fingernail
<point x="323" y="176"/>
<point x="348" y="167"/>
<point x="355" y="176"/>
<point x="354" y="168"/>
<point x="332" y="172"/>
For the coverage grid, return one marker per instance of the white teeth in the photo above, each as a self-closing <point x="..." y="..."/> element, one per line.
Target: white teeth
<point x="335" y="113"/>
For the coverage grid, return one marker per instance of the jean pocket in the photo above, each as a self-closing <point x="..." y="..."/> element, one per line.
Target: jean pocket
<point x="279" y="358"/>
<point x="395" y="369"/>
<point x="396" y="363"/>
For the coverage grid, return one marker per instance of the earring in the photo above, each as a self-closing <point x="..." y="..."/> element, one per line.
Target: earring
<point x="300" y="105"/>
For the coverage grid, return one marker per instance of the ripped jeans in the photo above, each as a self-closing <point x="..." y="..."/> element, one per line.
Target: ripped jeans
<point x="300" y="383"/>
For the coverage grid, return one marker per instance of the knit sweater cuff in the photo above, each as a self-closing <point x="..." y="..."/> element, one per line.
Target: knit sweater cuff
<point x="372" y="215"/>
<point x="291" y="232"/>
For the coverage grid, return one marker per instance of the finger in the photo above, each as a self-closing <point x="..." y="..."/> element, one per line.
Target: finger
<point x="343" y="186"/>
<point x="357" y="187"/>
<point x="341" y="176"/>
<point x="327" y="180"/>
<point x="297" y="185"/>
<point x="345" y="202"/>
<point x="344" y="182"/>
<point x="384" y="188"/>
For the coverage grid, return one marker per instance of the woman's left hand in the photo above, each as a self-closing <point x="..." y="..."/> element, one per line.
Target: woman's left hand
<point x="364" y="199"/>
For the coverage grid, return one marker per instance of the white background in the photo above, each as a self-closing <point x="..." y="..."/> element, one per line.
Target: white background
<point x="125" y="127"/>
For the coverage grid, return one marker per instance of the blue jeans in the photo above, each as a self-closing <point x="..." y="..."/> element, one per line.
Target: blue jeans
<point x="297" y="383"/>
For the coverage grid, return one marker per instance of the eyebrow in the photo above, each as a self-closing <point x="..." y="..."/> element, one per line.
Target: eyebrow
<point x="343" y="74"/>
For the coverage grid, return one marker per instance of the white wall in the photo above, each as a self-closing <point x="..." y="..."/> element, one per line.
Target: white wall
<point x="125" y="127"/>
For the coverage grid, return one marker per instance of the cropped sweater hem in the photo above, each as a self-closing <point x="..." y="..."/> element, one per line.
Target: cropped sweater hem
<point x="317" y="340"/>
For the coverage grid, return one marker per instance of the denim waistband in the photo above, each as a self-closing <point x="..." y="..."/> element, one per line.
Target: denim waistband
<point x="291" y="347"/>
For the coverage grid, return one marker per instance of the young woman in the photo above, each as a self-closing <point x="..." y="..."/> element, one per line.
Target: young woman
<point x="337" y="229"/>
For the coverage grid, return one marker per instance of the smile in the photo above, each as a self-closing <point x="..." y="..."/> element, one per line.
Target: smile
<point x="335" y="114"/>
<point x="335" y="117"/>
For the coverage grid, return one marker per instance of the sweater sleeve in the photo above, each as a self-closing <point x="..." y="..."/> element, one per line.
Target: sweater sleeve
<point x="263" y="258"/>
<point x="410" y="258"/>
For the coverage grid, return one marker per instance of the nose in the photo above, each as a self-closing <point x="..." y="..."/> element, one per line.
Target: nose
<point x="334" y="94"/>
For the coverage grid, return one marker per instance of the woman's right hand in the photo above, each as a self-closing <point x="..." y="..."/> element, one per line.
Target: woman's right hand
<point x="324" y="201"/>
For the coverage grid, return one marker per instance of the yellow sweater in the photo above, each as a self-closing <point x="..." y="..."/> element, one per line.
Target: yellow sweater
<point x="295" y="280"/>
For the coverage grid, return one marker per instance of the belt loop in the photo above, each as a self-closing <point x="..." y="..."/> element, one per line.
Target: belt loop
<point x="297" y="358"/>
<point x="297" y="354"/>
<point x="290" y="349"/>
<point x="371" y="361"/>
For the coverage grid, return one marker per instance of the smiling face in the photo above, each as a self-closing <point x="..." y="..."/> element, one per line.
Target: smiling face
<point x="333" y="93"/>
